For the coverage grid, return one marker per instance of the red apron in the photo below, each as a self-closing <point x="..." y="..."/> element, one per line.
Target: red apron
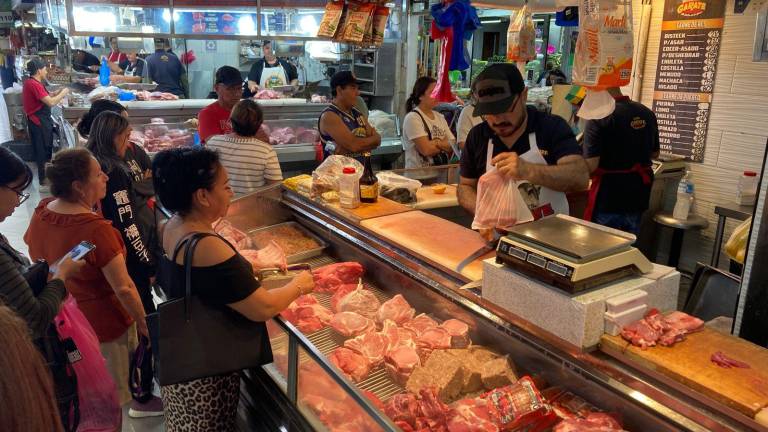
<point x="597" y="178"/>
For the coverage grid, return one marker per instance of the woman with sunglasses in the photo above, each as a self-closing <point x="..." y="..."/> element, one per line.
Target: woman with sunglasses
<point x="37" y="305"/>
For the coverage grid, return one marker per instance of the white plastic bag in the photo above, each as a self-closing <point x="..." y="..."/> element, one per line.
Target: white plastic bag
<point x="326" y="177"/>
<point x="398" y="188"/>
<point x="499" y="204"/>
<point x="521" y="36"/>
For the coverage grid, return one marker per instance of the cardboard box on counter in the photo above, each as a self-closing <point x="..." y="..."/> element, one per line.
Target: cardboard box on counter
<point x="579" y="318"/>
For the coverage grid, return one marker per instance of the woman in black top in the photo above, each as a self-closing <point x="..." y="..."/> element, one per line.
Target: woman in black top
<point x="37" y="305"/>
<point x="193" y="185"/>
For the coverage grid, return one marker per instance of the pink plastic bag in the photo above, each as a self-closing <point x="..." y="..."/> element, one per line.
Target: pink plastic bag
<point x="499" y="204"/>
<point x="99" y="404"/>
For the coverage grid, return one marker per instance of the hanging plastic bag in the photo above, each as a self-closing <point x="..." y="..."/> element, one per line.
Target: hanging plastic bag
<point x="603" y="56"/>
<point x="499" y="204"/>
<point x="99" y="404"/>
<point x="326" y="177"/>
<point x="736" y="246"/>
<point x="521" y="36"/>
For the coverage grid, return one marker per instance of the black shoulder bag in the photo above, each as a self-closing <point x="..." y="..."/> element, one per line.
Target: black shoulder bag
<point x="192" y="340"/>
<point x="441" y="158"/>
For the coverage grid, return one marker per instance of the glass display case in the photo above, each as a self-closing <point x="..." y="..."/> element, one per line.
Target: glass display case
<point x="157" y="136"/>
<point x="292" y="131"/>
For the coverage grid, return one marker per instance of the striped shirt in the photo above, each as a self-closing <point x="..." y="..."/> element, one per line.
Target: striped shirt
<point x="249" y="162"/>
<point x="16" y="293"/>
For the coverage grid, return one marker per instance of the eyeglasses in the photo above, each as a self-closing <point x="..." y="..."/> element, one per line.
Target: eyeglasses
<point x="23" y="196"/>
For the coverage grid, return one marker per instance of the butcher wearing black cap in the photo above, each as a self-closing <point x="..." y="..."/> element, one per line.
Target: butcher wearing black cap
<point x="534" y="149"/>
<point x="37" y="105"/>
<point x="343" y="129"/>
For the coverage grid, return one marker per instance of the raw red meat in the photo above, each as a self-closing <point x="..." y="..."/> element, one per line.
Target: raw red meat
<point x="593" y="422"/>
<point x="281" y="136"/>
<point x="641" y="334"/>
<point x="266" y="94"/>
<point x="724" y="361"/>
<point x="396" y="309"/>
<point x="656" y="321"/>
<point x="683" y="321"/>
<point x="459" y="331"/>
<point x="400" y="363"/>
<point x="361" y="301"/>
<point x="340" y="293"/>
<point x="432" y="339"/>
<point x="307" y="314"/>
<point x="403" y="407"/>
<point x="329" y="278"/>
<point x="655" y="327"/>
<point x="374" y="399"/>
<point x="420" y="324"/>
<point x="371" y="345"/>
<point x="398" y="336"/>
<point x="472" y="415"/>
<point x="306" y="136"/>
<point x="351" y="324"/>
<point x="435" y="412"/>
<point x="354" y="365"/>
<point x="233" y="235"/>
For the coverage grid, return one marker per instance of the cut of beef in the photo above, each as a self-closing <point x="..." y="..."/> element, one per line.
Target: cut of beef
<point x="683" y="321"/>
<point x="396" y="309"/>
<point x="351" y="363"/>
<point x="472" y="415"/>
<point x="724" y="361"/>
<point x="351" y="324"/>
<point x="459" y="331"/>
<point x="371" y="345"/>
<point x="307" y="314"/>
<point x="400" y="363"/>
<point x="666" y="330"/>
<point x="420" y="324"/>
<point x="641" y="334"/>
<point x="403" y="407"/>
<point x="656" y="321"/>
<point x="233" y="235"/>
<point x="360" y="301"/>
<point x="432" y="339"/>
<point x="398" y="336"/>
<point x="593" y="422"/>
<point x="340" y="293"/>
<point x="329" y="278"/>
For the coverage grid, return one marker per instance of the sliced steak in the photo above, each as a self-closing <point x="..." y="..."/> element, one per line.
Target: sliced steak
<point x="400" y="363"/>
<point x="459" y="331"/>
<point x="420" y="324"/>
<point x="307" y="314"/>
<point x="351" y="324"/>
<point x="396" y="309"/>
<point x="354" y="365"/>
<point x="371" y="345"/>
<point x="329" y="278"/>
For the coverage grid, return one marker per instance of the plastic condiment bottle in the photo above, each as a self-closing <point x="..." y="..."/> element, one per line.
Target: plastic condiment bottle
<point x="747" y="188"/>
<point x="349" y="188"/>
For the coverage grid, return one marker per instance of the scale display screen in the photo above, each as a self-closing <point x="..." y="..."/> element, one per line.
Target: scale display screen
<point x="523" y="255"/>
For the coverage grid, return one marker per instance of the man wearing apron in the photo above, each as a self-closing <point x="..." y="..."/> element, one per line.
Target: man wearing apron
<point x="37" y="106"/>
<point x="343" y="129"/>
<point x="134" y="68"/>
<point x="271" y="71"/>
<point x="618" y="150"/>
<point x="536" y="150"/>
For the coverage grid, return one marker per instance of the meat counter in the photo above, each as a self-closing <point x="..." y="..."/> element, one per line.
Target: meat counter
<point x="302" y="389"/>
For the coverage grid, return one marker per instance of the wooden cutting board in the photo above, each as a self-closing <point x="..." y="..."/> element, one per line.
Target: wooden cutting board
<point x="434" y="238"/>
<point x="688" y="362"/>
<point x="426" y="199"/>
<point x="382" y="207"/>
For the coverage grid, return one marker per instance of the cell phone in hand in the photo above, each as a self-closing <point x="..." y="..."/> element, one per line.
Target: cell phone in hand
<point x="76" y="253"/>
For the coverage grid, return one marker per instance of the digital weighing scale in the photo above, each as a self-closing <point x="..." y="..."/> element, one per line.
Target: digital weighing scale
<point x="571" y="254"/>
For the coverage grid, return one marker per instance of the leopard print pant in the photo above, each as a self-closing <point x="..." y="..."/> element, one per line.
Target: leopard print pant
<point x="201" y="405"/>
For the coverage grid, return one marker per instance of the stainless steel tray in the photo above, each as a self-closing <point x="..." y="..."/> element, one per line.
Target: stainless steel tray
<point x="301" y="256"/>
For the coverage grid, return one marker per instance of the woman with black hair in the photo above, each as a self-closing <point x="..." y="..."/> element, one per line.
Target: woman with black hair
<point x="427" y="138"/>
<point x="192" y="183"/>
<point x="37" y="305"/>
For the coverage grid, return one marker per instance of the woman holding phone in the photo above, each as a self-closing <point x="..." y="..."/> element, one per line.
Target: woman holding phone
<point x="37" y="305"/>
<point x="103" y="289"/>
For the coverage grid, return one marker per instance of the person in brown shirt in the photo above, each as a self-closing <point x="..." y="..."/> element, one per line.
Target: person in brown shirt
<point x="103" y="289"/>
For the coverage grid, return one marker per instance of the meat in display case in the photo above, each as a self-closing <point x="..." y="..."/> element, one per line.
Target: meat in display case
<point x="379" y="346"/>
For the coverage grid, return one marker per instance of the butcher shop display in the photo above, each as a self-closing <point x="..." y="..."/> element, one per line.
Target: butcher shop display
<point x="144" y="95"/>
<point x="158" y="135"/>
<point x="656" y="328"/>
<point x="267" y="94"/>
<point x="287" y="135"/>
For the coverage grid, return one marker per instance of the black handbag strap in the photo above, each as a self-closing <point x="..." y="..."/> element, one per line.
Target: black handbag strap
<point x="424" y="122"/>
<point x="191" y="241"/>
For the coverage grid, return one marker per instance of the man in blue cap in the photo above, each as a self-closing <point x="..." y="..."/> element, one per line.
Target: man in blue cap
<point x="536" y="150"/>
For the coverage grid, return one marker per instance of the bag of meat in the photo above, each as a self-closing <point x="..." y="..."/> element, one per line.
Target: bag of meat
<point x="326" y="177"/>
<point x="499" y="204"/>
<point x="603" y="56"/>
<point x="521" y="36"/>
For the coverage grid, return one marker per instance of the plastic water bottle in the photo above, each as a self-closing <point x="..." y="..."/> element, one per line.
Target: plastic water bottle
<point x="349" y="188"/>
<point x="684" y="197"/>
<point x="104" y="73"/>
<point x="747" y="188"/>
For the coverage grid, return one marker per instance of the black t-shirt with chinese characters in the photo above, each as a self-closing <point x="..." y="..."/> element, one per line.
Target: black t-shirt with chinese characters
<point x="121" y="207"/>
<point x="554" y="138"/>
<point x="628" y="136"/>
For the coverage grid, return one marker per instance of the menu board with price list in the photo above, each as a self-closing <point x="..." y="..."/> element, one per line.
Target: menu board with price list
<point x="685" y="74"/>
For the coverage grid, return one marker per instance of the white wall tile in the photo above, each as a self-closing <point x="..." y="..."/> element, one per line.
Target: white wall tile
<point x="740" y="151"/>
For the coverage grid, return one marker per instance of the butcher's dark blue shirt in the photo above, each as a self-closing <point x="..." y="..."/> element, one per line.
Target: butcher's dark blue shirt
<point x="166" y="70"/>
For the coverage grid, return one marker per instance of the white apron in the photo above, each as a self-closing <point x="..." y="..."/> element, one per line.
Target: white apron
<point x="273" y="76"/>
<point x="535" y="201"/>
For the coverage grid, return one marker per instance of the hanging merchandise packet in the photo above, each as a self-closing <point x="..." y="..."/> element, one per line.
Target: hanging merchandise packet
<point x="603" y="56"/>
<point x="331" y="19"/>
<point x="521" y="36"/>
<point x="356" y="22"/>
<point x="380" y="17"/>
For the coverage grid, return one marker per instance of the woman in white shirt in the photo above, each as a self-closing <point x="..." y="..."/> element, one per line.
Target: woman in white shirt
<point x="427" y="138"/>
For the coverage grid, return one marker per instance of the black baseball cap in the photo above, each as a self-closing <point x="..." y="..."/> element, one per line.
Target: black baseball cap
<point x="228" y="76"/>
<point x="35" y="65"/>
<point x="342" y="79"/>
<point x="496" y="88"/>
